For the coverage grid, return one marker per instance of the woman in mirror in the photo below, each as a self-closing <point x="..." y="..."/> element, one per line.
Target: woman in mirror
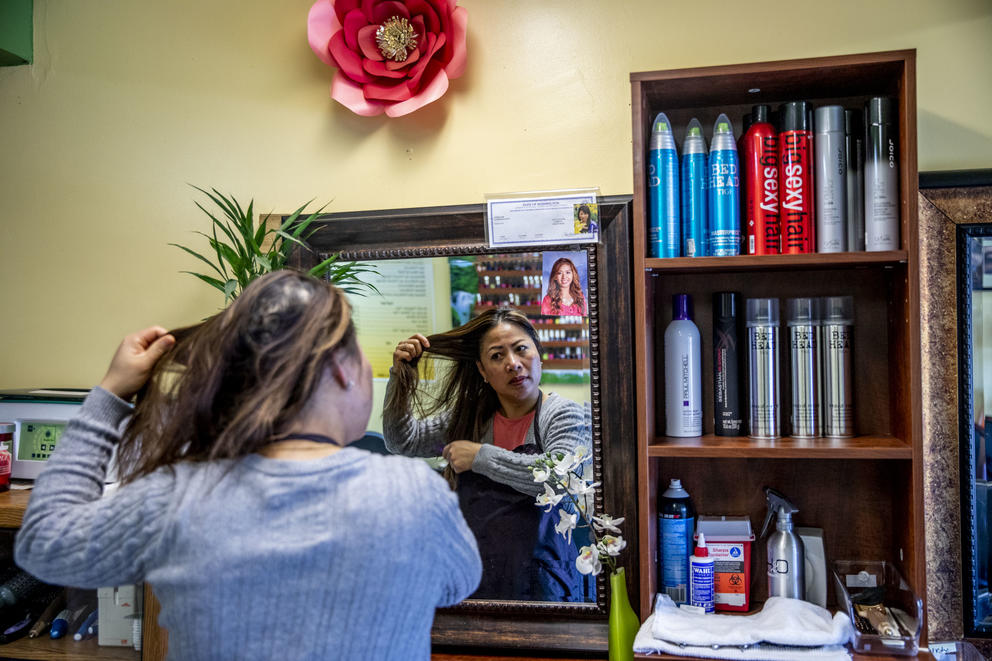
<point x="487" y="416"/>
<point x="238" y="487"/>
<point x="564" y="296"/>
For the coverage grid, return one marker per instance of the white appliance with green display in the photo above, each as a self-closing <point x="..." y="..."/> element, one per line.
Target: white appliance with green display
<point x="40" y="417"/>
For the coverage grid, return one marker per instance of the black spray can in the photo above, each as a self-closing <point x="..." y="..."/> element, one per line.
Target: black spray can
<point x="727" y="409"/>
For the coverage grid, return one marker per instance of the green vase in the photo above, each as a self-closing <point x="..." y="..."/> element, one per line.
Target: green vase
<point x="623" y="621"/>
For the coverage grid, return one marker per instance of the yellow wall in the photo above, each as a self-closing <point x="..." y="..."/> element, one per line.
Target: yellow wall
<point x="129" y="100"/>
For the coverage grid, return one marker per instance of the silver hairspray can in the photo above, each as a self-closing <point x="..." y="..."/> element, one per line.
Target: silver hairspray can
<point x="881" y="177"/>
<point x="854" y="152"/>
<point x="802" y="319"/>
<point x="763" y="374"/>
<point x="830" y="167"/>
<point x="837" y="317"/>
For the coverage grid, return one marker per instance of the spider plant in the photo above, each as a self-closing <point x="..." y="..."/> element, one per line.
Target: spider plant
<point x="244" y="252"/>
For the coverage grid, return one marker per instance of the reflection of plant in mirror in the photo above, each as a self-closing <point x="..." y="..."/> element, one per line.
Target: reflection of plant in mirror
<point x="249" y="252"/>
<point x="561" y="474"/>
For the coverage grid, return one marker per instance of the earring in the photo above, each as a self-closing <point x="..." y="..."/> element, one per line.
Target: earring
<point x="351" y="384"/>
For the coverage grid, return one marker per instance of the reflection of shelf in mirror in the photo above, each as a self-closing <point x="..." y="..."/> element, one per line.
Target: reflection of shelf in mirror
<point x="710" y="445"/>
<point x="491" y="291"/>
<point x="526" y="309"/>
<point x="564" y="343"/>
<point x="566" y="364"/>
<point x="544" y="323"/>
<point x="774" y="262"/>
<point x="508" y="274"/>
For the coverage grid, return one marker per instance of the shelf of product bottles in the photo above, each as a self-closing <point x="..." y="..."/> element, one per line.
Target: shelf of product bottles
<point x="709" y="445"/>
<point x="508" y="273"/>
<point x="44" y="648"/>
<point x="776" y="262"/>
<point x="498" y="291"/>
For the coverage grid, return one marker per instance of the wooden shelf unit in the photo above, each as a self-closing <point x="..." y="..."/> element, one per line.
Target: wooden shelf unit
<point x="13" y="504"/>
<point x="865" y="492"/>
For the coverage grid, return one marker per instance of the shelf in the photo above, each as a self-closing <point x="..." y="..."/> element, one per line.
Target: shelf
<point x="65" y="649"/>
<point x="12" y="506"/>
<point x="734" y="447"/>
<point x="544" y="323"/>
<point x="922" y="656"/>
<point x="566" y="364"/>
<point x="841" y="260"/>
<point x="564" y="343"/>
<point x="508" y="274"/>
<point x="488" y="291"/>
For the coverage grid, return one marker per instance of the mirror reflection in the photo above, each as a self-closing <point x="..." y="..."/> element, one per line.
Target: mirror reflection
<point x="481" y="363"/>
<point x="980" y="250"/>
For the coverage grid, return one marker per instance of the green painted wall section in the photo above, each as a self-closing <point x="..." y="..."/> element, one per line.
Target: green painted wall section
<point x="15" y="32"/>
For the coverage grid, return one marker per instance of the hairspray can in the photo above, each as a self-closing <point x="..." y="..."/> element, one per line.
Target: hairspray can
<point x="881" y="177"/>
<point x="802" y="318"/>
<point x="727" y="418"/>
<point x="683" y="383"/>
<point x="837" y="317"/>
<point x="763" y="376"/>
<point x="759" y="152"/>
<point x="795" y="148"/>
<point x="664" y="235"/>
<point x="694" y="191"/>
<point x="830" y="177"/>
<point x="854" y="142"/>
<point x="724" y="191"/>
<point x="676" y="526"/>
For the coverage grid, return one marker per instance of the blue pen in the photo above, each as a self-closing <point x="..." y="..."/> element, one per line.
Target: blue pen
<point x="60" y="625"/>
<point x="694" y="175"/>
<point x="724" y="191"/>
<point x="664" y="231"/>
<point x="81" y="631"/>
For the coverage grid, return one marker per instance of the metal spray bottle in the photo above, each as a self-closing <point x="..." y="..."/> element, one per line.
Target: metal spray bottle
<point x="664" y="231"/>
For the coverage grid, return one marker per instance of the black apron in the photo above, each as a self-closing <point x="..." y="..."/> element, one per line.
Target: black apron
<point x="522" y="555"/>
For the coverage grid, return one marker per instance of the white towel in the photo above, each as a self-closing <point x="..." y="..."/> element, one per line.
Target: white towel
<point x="783" y="629"/>
<point x="645" y="643"/>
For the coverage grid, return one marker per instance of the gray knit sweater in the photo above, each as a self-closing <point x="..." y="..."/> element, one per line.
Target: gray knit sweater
<point x="342" y="557"/>
<point x="564" y="426"/>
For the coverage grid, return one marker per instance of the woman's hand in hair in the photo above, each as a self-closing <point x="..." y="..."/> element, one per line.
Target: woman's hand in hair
<point x="136" y="356"/>
<point x="410" y="349"/>
<point x="461" y="454"/>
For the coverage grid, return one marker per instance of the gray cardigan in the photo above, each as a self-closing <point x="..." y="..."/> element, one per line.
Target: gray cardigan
<point x="564" y="426"/>
<point x="341" y="557"/>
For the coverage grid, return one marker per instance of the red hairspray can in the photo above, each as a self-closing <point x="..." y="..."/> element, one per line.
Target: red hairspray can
<point x="795" y="148"/>
<point x="759" y="149"/>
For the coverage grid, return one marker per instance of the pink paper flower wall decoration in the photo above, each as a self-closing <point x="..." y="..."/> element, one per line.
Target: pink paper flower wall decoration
<point x="392" y="56"/>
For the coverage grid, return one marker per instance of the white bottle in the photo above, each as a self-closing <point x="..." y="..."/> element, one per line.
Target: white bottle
<point x="701" y="578"/>
<point x="683" y="372"/>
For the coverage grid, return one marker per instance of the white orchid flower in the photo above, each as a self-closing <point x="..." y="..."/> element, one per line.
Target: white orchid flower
<point x="566" y="524"/>
<point x="588" y="561"/>
<point x="563" y="465"/>
<point x="549" y="498"/>
<point x="606" y="522"/>
<point x="579" y="487"/>
<point x="541" y="473"/>
<point x="581" y="455"/>
<point x="612" y="545"/>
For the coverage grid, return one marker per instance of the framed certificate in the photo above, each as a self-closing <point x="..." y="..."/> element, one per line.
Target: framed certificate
<point x="542" y="218"/>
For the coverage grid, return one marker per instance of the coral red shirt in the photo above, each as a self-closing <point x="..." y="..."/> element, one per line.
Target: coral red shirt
<point x="509" y="434"/>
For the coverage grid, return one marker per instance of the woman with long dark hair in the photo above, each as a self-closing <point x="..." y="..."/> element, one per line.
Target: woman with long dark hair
<point x="564" y="297"/>
<point x="486" y="415"/>
<point x="263" y="535"/>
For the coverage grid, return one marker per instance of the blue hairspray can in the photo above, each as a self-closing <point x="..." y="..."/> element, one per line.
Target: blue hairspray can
<point x="724" y="191"/>
<point x="694" y="174"/>
<point x="664" y="232"/>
